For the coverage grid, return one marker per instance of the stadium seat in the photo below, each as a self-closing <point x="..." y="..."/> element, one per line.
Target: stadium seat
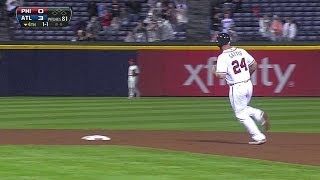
<point x="306" y="13"/>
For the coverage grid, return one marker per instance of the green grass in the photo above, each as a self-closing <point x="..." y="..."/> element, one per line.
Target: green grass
<point x="192" y="113"/>
<point x="124" y="163"/>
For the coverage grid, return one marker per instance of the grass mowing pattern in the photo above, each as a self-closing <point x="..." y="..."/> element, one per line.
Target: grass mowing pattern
<point x="123" y="163"/>
<point x="188" y="113"/>
<point x="111" y="162"/>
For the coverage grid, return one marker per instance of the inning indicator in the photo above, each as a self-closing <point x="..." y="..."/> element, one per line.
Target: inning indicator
<point x="43" y="16"/>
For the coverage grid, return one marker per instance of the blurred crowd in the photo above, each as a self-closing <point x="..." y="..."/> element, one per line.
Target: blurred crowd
<point x="164" y="19"/>
<point x="221" y="18"/>
<point x="7" y="15"/>
<point x="8" y="8"/>
<point x="273" y="28"/>
<point x="277" y="29"/>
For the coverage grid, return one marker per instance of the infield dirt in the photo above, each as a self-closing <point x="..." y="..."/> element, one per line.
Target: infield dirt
<point x="300" y="148"/>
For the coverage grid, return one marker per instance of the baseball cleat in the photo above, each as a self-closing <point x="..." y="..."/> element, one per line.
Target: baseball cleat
<point x="258" y="142"/>
<point x="265" y="124"/>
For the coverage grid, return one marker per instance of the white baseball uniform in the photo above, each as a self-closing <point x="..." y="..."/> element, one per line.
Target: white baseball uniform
<point x="133" y="72"/>
<point x="235" y="63"/>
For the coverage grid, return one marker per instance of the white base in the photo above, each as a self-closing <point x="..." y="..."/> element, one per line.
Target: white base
<point x="96" y="138"/>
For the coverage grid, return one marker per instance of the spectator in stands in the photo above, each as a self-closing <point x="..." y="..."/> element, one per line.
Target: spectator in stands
<point x="92" y="9"/>
<point x="124" y="16"/>
<point x="226" y="23"/>
<point x="152" y="31"/>
<point x="264" y="26"/>
<point x="181" y="4"/>
<point x="171" y="14"/>
<point x="11" y="6"/>
<point x="157" y="11"/>
<point x="215" y="27"/>
<point x="289" y="30"/>
<point x="276" y="29"/>
<point x="140" y="34"/>
<point x="150" y="18"/>
<point x="106" y="22"/>
<point x="152" y="3"/>
<point x="101" y="8"/>
<point x="134" y="8"/>
<point x="182" y="19"/>
<point x="129" y="37"/>
<point x="80" y="25"/>
<point x="93" y="28"/>
<point x="165" y="29"/>
<point x="115" y="24"/>
<point x="115" y="8"/>
<point x="79" y="29"/>
<point x="81" y="36"/>
<point x="214" y="19"/>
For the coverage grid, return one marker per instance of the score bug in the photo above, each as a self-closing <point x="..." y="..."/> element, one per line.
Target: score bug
<point x="43" y="16"/>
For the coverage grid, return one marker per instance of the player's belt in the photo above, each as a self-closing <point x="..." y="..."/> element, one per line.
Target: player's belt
<point x="240" y="82"/>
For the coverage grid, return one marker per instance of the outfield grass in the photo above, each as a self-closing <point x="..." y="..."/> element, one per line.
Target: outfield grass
<point x="127" y="163"/>
<point x="287" y="114"/>
<point x="123" y="163"/>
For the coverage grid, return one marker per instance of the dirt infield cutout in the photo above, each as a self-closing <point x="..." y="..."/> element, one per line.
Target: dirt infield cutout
<point x="300" y="148"/>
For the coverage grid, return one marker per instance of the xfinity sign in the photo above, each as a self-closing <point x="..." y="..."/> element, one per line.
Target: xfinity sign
<point x="264" y="70"/>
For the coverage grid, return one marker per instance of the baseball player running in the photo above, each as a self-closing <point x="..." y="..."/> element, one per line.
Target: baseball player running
<point x="236" y="66"/>
<point x="133" y="72"/>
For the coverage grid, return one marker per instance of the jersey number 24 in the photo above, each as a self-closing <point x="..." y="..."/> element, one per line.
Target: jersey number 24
<point x="237" y="67"/>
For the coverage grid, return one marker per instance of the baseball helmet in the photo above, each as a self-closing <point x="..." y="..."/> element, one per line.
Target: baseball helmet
<point x="131" y="60"/>
<point x="223" y="39"/>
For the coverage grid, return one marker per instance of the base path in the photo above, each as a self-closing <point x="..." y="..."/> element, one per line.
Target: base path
<point x="283" y="147"/>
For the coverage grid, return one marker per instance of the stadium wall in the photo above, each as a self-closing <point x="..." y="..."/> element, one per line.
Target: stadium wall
<point x="189" y="73"/>
<point x="64" y="72"/>
<point x="165" y="70"/>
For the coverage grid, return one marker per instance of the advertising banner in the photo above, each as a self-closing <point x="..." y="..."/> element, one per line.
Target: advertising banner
<point x="189" y="73"/>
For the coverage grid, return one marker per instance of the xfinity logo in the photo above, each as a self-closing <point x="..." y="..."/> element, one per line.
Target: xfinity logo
<point x="194" y="75"/>
<point x="282" y="76"/>
<point x="264" y="69"/>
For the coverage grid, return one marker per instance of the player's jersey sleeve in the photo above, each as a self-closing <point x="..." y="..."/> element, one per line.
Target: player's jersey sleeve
<point x="248" y="57"/>
<point x="221" y="65"/>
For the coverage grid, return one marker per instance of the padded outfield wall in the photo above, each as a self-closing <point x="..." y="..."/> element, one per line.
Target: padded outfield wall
<point x="165" y="70"/>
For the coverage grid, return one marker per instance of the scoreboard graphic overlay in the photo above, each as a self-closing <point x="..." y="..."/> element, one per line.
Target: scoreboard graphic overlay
<point x="43" y="16"/>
